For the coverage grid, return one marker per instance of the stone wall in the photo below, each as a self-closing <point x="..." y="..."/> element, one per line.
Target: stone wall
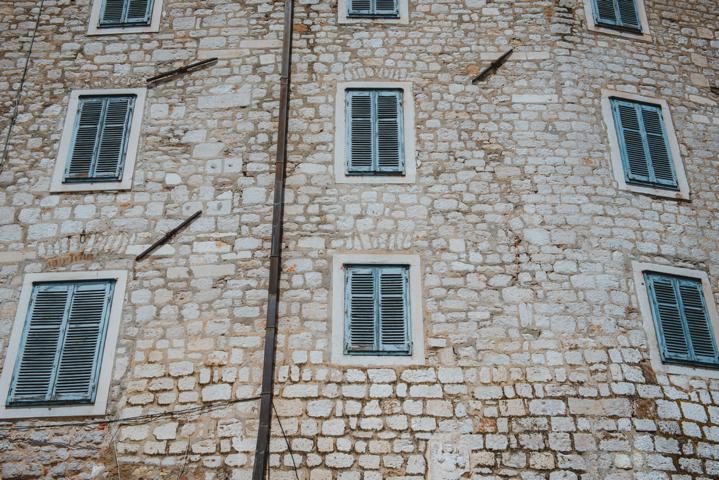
<point x="537" y="364"/>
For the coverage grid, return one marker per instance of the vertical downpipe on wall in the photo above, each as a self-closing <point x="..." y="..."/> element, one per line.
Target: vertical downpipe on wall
<point x="273" y="290"/>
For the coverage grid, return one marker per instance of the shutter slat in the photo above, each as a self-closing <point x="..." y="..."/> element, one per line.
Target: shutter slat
<point x="36" y="362"/>
<point x="139" y="12"/>
<point x="628" y="16"/>
<point x="81" y="349"/>
<point x="361" y="296"/>
<point x="630" y="136"/>
<point x="360" y="7"/>
<point x="112" y="13"/>
<point x="389" y="132"/>
<point x="669" y="319"/>
<point x="697" y="319"/>
<point x="360" y="118"/>
<point x="393" y="309"/>
<point x="85" y="139"/>
<point x="605" y="12"/>
<point x="113" y="143"/>
<point x="658" y="146"/>
<point x="386" y="7"/>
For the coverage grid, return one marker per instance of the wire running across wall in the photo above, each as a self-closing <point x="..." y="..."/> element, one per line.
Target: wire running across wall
<point x="13" y="116"/>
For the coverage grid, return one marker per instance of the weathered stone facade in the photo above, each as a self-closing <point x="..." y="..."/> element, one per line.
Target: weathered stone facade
<point x="537" y="365"/>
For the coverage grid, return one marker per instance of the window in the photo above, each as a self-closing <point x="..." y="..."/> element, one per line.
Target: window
<point x="61" y="349"/>
<point x="373" y="8"/>
<point x="374" y="133"/>
<point x="365" y="11"/>
<point x="377" y="310"/>
<point x="620" y="14"/>
<point x="374" y="138"/>
<point x="643" y="145"/>
<point x="124" y="16"/>
<point x="125" y="13"/>
<point x="99" y="141"/>
<point x="624" y="18"/>
<point x="61" y="345"/>
<point x="680" y="318"/>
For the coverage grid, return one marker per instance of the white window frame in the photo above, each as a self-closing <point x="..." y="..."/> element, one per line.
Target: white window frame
<point x="108" y="355"/>
<point x="616" y="154"/>
<point x="338" y="355"/>
<point x="343" y="18"/>
<point x="153" y="27"/>
<point x="645" y="308"/>
<point x="644" y="36"/>
<point x="133" y="142"/>
<point x="410" y="162"/>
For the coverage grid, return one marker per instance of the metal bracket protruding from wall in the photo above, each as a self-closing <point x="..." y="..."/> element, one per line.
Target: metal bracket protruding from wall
<point x="492" y="67"/>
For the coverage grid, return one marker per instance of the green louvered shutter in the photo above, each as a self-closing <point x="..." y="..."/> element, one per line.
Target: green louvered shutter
<point x="99" y="143"/>
<point x="622" y="14"/>
<point x="377" y="310"/>
<point x="682" y="320"/>
<point x="360" y="7"/>
<point x="125" y="13"/>
<point x="360" y="132"/>
<point x="389" y="131"/>
<point x="394" y="309"/>
<point x="644" y="144"/>
<point x="62" y="344"/>
<point x="373" y="8"/>
<point x="701" y="337"/>
<point x="374" y="132"/>
<point x="386" y="8"/>
<point x="360" y="322"/>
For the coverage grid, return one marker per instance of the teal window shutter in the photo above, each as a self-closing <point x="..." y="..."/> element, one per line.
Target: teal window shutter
<point x="99" y="140"/>
<point x="125" y="13"/>
<point x="61" y="348"/>
<point x="375" y="135"/>
<point x="682" y="319"/>
<point x="377" y="319"/>
<point x="619" y="14"/>
<point x="644" y="144"/>
<point x="373" y="8"/>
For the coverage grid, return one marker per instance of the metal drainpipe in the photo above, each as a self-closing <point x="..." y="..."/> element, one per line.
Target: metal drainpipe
<point x="262" y="451"/>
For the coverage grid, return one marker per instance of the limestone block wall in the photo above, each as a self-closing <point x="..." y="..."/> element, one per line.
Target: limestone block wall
<point x="537" y="362"/>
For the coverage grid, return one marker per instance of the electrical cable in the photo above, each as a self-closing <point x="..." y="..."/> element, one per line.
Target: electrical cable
<point x="137" y="419"/>
<point x="289" y="448"/>
<point x="13" y="117"/>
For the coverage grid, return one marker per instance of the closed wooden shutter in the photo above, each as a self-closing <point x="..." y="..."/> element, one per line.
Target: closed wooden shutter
<point x="374" y="132"/>
<point x="360" y="301"/>
<point x="373" y="8"/>
<point x="389" y="8"/>
<point x="125" y="13"/>
<point x="139" y="12"/>
<point x="389" y="134"/>
<point x="394" y="309"/>
<point x="621" y="14"/>
<point x="113" y="13"/>
<point x="99" y="143"/>
<point x="644" y="144"/>
<point x="361" y="132"/>
<point x="61" y="350"/>
<point x="682" y="320"/>
<point x="377" y="310"/>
